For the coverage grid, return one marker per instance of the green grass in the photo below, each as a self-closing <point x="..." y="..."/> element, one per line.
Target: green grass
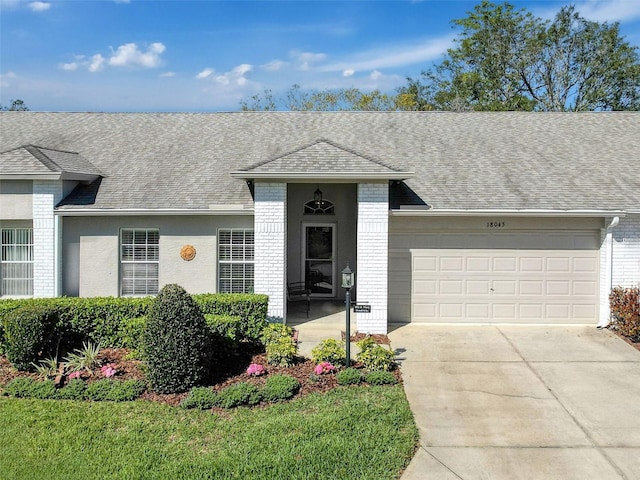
<point x="348" y="433"/>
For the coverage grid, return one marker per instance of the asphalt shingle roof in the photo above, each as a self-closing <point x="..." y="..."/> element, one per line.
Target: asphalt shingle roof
<point x="32" y="159"/>
<point x="321" y="156"/>
<point x="505" y="160"/>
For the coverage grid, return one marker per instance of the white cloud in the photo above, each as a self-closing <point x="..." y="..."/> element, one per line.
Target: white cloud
<point x="609" y="10"/>
<point x="130" y="55"/>
<point x="306" y="60"/>
<point x="205" y="73"/>
<point x="168" y="74"/>
<point x="348" y="72"/>
<point x="97" y="63"/>
<point x="375" y="75"/>
<point x="598" y="10"/>
<point x="5" y="79"/>
<point x="235" y="76"/>
<point x="395" y="56"/>
<point x="273" y="65"/>
<point x="126" y="55"/>
<point x="39" y="6"/>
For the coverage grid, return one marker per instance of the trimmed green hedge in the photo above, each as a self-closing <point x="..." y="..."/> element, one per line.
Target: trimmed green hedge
<point x="110" y="320"/>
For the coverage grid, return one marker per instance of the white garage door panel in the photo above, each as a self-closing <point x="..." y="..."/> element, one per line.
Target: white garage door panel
<point x="505" y="285"/>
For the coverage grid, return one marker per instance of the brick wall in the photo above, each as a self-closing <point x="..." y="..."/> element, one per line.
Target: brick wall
<point x="270" y="200"/>
<point x="626" y="252"/>
<point x="619" y="259"/>
<point x="373" y="255"/>
<point x="46" y="194"/>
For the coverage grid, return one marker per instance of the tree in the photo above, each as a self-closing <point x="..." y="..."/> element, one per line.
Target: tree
<point x="16" y="106"/>
<point x="341" y="99"/>
<point x="508" y="59"/>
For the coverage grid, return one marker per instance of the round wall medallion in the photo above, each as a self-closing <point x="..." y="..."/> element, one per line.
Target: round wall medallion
<point x="188" y="252"/>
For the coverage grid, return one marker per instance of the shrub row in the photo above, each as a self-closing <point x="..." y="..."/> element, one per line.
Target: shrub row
<point x="353" y="376"/>
<point x="625" y="311"/>
<point x="276" y="388"/>
<point x="64" y="322"/>
<point x="101" y="390"/>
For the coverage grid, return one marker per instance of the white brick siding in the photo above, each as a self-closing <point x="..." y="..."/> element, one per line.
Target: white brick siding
<point x="626" y="252"/>
<point x="270" y="220"/>
<point x="619" y="259"/>
<point x="46" y="194"/>
<point x="373" y="255"/>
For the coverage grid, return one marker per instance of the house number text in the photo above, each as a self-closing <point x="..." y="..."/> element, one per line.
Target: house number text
<point x="498" y="224"/>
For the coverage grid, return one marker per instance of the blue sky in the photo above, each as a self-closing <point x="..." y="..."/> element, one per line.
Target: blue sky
<point x="144" y="55"/>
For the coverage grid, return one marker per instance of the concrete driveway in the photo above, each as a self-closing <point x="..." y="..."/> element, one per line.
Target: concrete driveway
<point x="521" y="402"/>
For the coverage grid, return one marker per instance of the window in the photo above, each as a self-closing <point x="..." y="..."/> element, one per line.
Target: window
<point x="324" y="207"/>
<point x="139" y="259"/>
<point x="16" y="262"/>
<point x="235" y="256"/>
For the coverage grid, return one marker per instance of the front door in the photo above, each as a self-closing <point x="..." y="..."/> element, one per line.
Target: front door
<point x="318" y="254"/>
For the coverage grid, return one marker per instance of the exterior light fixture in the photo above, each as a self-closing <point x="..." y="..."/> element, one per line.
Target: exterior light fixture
<point x="347" y="278"/>
<point x="317" y="196"/>
<point x="347" y="284"/>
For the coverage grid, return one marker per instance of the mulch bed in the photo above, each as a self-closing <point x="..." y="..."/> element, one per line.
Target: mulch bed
<point x="379" y="338"/>
<point x="127" y="369"/>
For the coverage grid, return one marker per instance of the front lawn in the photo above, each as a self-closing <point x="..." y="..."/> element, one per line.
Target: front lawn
<point x="350" y="432"/>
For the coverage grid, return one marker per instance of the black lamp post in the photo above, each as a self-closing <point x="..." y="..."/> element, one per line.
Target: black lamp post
<point x="347" y="284"/>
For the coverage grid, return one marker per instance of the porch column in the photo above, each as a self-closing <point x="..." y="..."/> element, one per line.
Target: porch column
<point x="46" y="194"/>
<point x="373" y="255"/>
<point x="270" y="220"/>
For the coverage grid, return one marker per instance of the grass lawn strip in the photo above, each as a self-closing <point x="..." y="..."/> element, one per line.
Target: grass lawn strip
<point x="355" y="433"/>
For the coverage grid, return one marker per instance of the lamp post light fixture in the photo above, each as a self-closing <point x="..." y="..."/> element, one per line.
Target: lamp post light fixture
<point x="347" y="284"/>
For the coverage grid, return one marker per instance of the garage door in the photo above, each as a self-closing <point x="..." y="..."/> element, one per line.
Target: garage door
<point x="556" y="282"/>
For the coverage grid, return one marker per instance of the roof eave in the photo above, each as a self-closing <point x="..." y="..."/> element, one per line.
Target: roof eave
<point x="418" y="211"/>
<point x="315" y="177"/>
<point x="128" y="212"/>
<point x="31" y="176"/>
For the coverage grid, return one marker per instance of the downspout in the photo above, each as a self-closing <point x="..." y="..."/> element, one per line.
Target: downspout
<point x="605" y="312"/>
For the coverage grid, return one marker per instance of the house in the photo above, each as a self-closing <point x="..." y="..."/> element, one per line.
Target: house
<point x="444" y="217"/>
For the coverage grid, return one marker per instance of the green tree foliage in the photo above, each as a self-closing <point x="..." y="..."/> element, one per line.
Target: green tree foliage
<point x="16" y="106"/>
<point x="342" y="99"/>
<point x="507" y="59"/>
<point x="176" y="341"/>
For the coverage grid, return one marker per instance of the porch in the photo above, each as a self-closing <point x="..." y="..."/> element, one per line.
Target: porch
<point x="326" y="320"/>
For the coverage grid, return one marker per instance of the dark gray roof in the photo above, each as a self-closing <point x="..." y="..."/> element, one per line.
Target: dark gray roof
<point x="30" y="159"/>
<point x="321" y="156"/>
<point x="507" y="160"/>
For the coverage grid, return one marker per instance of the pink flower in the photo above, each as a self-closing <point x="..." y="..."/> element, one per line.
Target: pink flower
<point x="108" y="370"/>
<point x="324" y="367"/>
<point x="256" y="370"/>
<point x="74" y="375"/>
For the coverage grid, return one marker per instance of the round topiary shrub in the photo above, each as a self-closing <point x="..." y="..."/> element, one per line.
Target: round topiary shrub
<point x="176" y="342"/>
<point x="238" y="394"/>
<point x="200" y="397"/>
<point x="280" y="387"/>
<point x="380" y="377"/>
<point x="329" y="350"/>
<point x="29" y="335"/>
<point x="349" y="376"/>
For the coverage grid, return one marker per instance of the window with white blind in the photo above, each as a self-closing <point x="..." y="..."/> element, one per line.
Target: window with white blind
<point x="16" y="262"/>
<point x="139" y="259"/>
<point x="235" y="261"/>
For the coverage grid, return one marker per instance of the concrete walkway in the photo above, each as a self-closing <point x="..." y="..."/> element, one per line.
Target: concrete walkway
<point x="521" y="402"/>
